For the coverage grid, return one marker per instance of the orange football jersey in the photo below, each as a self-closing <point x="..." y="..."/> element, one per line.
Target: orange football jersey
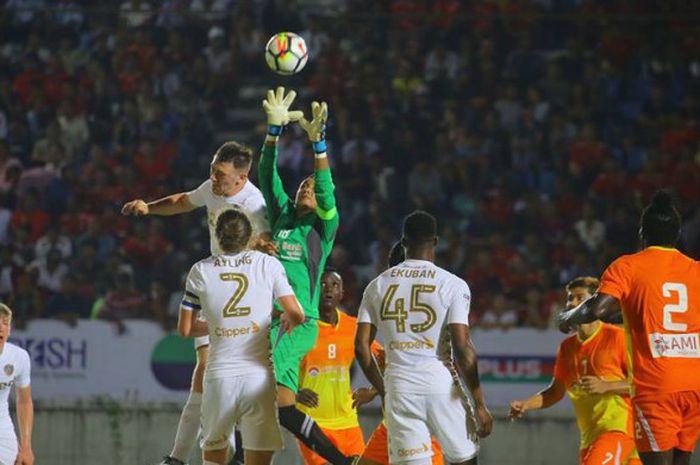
<point x="659" y="291"/>
<point x="603" y="355"/>
<point x="326" y="371"/>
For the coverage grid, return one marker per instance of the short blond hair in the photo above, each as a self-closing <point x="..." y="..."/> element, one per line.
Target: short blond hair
<point x="5" y="311"/>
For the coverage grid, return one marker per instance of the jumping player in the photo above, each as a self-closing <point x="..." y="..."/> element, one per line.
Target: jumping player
<point x="16" y="371"/>
<point x="324" y="379"/>
<point x="228" y="186"/>
<point x="421" y="312"/>
<point x="658" y="292"/>
<point x="303" y="231"/>
<point x="235" y="291"/>
<point x="591" y="367"/>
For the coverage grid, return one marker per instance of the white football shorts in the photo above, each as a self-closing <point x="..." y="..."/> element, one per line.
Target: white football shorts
<point x="8" y="450"/>
<point x="411" y="420"/>
<point x="250" y="402"/>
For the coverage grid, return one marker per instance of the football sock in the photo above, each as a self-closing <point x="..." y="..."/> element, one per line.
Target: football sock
<point x="237" y="446"/>
<point x="308" y="432"/>
<point x="188" y="428"/>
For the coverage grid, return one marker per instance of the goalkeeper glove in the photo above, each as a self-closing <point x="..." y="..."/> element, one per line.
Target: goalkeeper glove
<point x="276" y="106"/>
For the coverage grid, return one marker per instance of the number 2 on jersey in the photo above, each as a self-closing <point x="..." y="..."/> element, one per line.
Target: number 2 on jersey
<point x="231" y="309"/>
<point x="399" y="314"/>
<point x="680" y="307"/>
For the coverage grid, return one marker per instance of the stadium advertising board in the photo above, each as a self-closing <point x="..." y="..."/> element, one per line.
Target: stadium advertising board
<point x="145" y="364"/>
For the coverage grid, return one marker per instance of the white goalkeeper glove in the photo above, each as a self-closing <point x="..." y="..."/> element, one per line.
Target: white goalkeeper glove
<point x="276" y="106"/>
<point x="316" y="128"/>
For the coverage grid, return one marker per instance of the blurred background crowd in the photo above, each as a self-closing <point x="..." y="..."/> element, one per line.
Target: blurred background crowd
<point x="534" y="130"/>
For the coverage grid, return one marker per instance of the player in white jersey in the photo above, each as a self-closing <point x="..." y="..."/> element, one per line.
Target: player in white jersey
<point x="235" y="291"/>
<point x="421" y="313"/>
<point x="15" y="371"/>
<point x="228" y="186"/>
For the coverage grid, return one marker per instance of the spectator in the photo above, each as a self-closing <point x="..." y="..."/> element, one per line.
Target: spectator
<point x="500" y="315"/>
<point x="50" y="271"/>
<point x="31" y="216"/>
<point x="54" y="239"/>
<point x="67" y="304"/>
<point x="505" y="129"/>
<point x="590" y="230"/>
<point x="122" y="301"/>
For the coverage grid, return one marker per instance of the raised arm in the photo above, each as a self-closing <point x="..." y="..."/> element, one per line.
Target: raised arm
<point x="324" y="188"/>
<point x="171" y="205"/>
<point x="276" y="199"/>
<point x="467" y="366"/>
<point x="276" y="107"/>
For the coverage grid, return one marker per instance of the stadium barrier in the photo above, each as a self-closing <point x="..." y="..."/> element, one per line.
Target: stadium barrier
<point x="147" y="364"/>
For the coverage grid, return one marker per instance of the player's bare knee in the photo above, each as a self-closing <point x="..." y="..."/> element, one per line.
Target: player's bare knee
<point x="258" y="457"/>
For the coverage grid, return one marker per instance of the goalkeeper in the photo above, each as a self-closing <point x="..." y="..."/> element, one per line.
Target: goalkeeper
<point x="303" y="231"/>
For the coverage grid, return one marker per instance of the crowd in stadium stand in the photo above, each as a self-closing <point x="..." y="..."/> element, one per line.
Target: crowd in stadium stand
<point x="534" y="131"/>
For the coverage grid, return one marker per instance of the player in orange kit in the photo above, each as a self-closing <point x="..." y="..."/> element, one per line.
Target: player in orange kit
<point x="377" y="450"/>
<point x="324" y="380"/>
<point x="591" y="367"/>
<point x="658" y="291"/>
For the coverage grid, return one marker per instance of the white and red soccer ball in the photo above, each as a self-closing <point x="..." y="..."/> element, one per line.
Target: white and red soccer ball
<point x="286" y="53"/>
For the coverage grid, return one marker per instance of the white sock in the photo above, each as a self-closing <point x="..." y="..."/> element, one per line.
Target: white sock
<point x="188" y="428"/>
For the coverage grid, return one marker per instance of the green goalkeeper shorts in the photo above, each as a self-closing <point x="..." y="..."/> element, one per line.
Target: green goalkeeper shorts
<point x="288" y="353"/>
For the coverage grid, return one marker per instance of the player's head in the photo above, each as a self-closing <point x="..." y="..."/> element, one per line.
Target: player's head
<point x="230" y="167"/>
<point x="396" y="255"/>
<point x="233" y="230"/>
<point x="331" y="290"/>
<point x="579" y="289"/>
<point x="661" y="222"/>
<point x="5" y="321"/>
<point x="305" y="201"/>
<point x="419" y="232"/>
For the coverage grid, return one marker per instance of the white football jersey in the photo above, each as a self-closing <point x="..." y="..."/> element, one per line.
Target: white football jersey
<point x="14" y="370"/>
<point x="411" y="305"/>
<point x="234" y="294"/>
<point x="250" y="199"/>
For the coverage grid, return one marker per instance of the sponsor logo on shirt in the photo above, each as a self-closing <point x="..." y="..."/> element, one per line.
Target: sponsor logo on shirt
<point x="675" y="345"/>
<point x="235" y="332"/>
<point x="340" y="372"/>
<point x="424" y="343"/>
<point x="289" y="251"/>
<point x="424" y="448"/>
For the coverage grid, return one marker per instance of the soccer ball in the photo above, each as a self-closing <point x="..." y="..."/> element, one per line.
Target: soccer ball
<point x="286" y="53"/>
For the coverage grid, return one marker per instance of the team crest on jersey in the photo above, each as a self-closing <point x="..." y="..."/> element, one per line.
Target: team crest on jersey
<point x="9" y="369"/>
<point x="313" y="371"/>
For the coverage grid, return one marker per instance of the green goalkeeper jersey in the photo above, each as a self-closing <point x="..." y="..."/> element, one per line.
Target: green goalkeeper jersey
<point x="304" y="242"/>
